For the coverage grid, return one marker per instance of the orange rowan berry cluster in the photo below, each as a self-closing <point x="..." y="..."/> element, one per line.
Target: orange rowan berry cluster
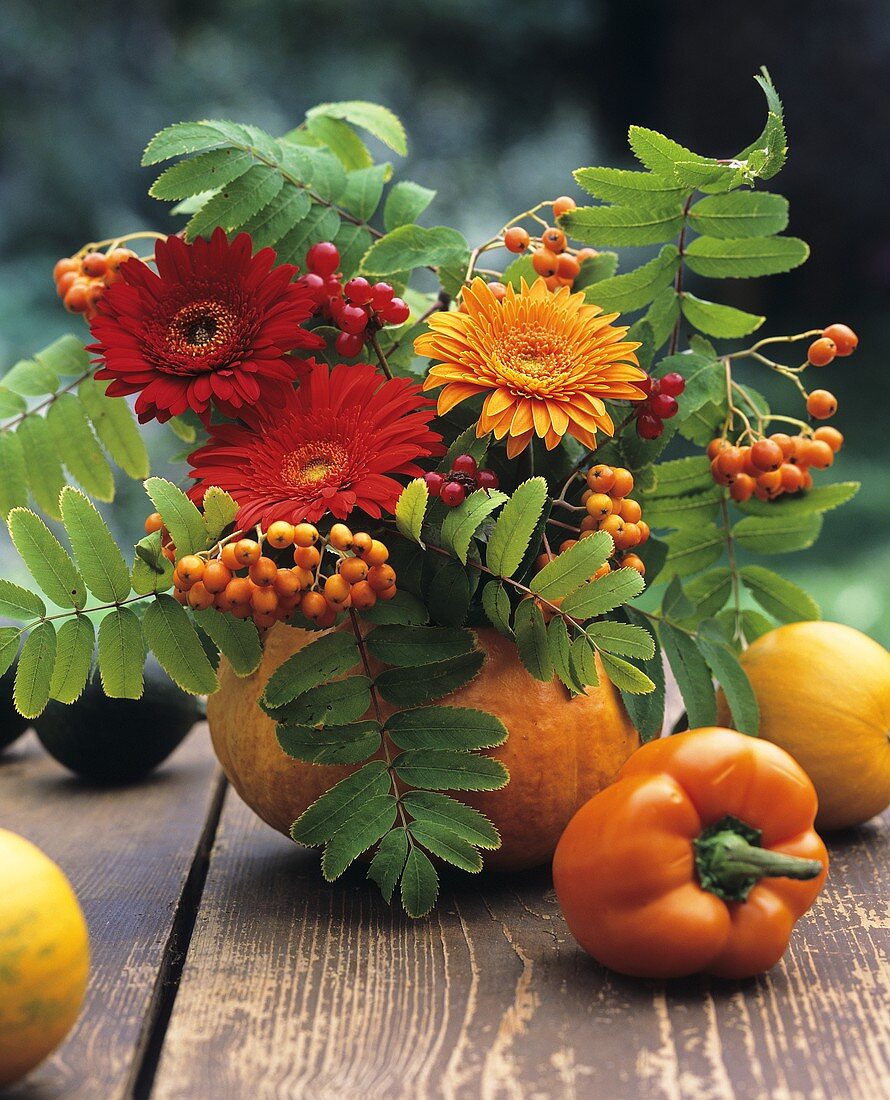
<point x="247" y="578"/>
<point x="552" y="257"/>
<point x="81" y="280"/>
<point x="836" y="340"/>
<point x="775" y="465"/>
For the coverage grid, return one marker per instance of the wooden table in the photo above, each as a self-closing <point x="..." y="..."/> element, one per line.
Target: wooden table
<point x="223" y="967"/>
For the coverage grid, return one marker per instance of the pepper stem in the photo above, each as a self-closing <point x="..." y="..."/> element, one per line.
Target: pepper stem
<point x="730" y="860"/>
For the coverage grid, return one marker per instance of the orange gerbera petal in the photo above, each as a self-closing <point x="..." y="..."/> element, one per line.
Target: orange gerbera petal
<point x="547" y="360"/>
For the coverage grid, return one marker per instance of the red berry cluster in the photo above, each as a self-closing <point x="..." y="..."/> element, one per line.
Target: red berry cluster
<point x="463" y="478"/>
<point x="356" y="308"/>
<point x="660" y="404"/>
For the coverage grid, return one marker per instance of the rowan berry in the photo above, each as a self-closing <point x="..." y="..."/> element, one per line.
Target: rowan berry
<point x="613" y="525"/>
<point x="199" y="598"/>
<point x="649" y="426"/>
<point x="807" y="480"/>
<point x="770" y="481"/>
<point x="304" y="576"/>
<point x="498" y="290"/>
<point x="591" y="523"/>
<point x="247" y="552"/>
<point x="434" y="482"/>
<point x="181" y="596"/>
<point x="264" y="620"/>
<point x="94" y="265"/>
<point x="585" y="254"/>
<point x="229" y="557"/>
<point x="153" y="523"/>
<point x="516" y="239"/>
<point x="464" y="464"/>
<point x="599" y="505"/>
<point x="358" y="291"/>
<point x="627" y="538"/>
<point x="562" y="205"/>
<point x="821" y="352"/>
<point x="363" y="596"/>
<point x="396" y="312"/>
<point x="376" y="554"/>
<point x="115" y="258"/>
<point x="541" y="561"/>
<point x="280" y="534"/>
<point x="340" y="537"/>
<point x="716" y="446"/>
<point x="623" y="483"/>
<point x="263" y="600"/>
<point x="845" y="339"/>
<point x="631" y="512"/>
<point x="190" y="568"/>
<point x="730" y="462"/>
<point x="663" y="405"/>
<point x="65" y="282"/>
<point x="766" y="454"/>
<point x="829" y="435"/>
<point x="644" y="530"/>
<point x="349" y="345"/>
<point x="453" y="494"/>
<point x="336" y="590"/>
<point x="821" y="404"/>
<point x="568" y="267"/>
<point x="633" y="561"/>
<point x="179" y="581"/>
<point x="545" y="262"/>
<point x="792" y="477"/>
<point x="77" y="297"/>
<point x="353" y="570"/>
<point x="238" y="590"/>
<point x="785" y="442"/>
<point x="216" y="577"/>
<point x="567" y="544"/>
<point x="819" y="454"/>
<point x="604" y="570"/>
<point x="717" y="474"/>
<point x="553" y="239"/>
<point x="263" y="572"/>
<point x="742" y="487"/>
<point x="323" y="258"/>
<point x="672" y="384"/>
<point x="169" y="553"/>
<point x="65" y="266"/>
<point x="487" y="479"/>
<point x="361" y="543"/>
<point x="305" y="534"/>
<point x="600" y="479"/>
<point x="381" y="295"/>
<point x="353" y="319"/>
<point x="381" y="577"/>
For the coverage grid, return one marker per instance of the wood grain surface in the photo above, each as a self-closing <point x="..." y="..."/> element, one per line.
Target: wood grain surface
<point x="293" y="988"/>
<point x="128" y="853"/>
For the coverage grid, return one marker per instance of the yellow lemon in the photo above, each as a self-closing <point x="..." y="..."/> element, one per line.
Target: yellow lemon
<point x="44" y="956"/>
<point x="824" y="695"/>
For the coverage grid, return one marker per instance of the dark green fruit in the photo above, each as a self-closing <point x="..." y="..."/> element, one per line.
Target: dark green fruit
<point x="118" y="740"/>
<point x="12" y="725"/>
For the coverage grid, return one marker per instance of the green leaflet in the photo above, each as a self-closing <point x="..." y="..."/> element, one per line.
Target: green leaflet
<point x="647" y="711"/>
<point x="174" y="641"/>
<point x="77" y="447"/>
<point x="420" y="884"/>
<point x="445" y="728"/>
<point x="692" y="549"/>
<point x="151" y="572"/>
<point x="101" y="563"/>
<point x="622" y="186"/>
<point x="496" y="605"/>
<point x="278" y="217"/>
<point x="14" y="482"/>
<point x="725" y="322"/>
<point x="625" y="676"/>
<point x="658" y="153"/>
<point x="389" y="861"/>
<point x="740" y="214"/>
<point x="449" y="594"/>
<point x="515" y="526"/>
<point x="377" y="120"/>
<point x="725" y="666"/>
<point x="363" y="191"/>
<point x="408" y="687"/>
<point x="411" y="509"/>
<point x="10" y="403"/>
<point x="42" y="464"/>
<point x="573" y="568"/>
<point x="433" y="808"/>
<point x="10" y="636"/>
<point x="637" y="288"/>
<point x="583" y="661"/>
<point x="205" y="172"/>
<point x="461" y="523"/>
<point x="332" y="704"/>
<point x="412" y="246"/>
<point x="779" y="534"/>
<point x="46" y="559"/>
<point x="450" y="770"/>
<point x="745" y="258"/>
<point x="679" y="476"/>
<point x="409" y="646"/>
<point x="34" y="671"/>
<point x="115" y="427"/>
<point x="778" y="596"/>
<point x="404" y="609"/>
<point x="219" y="512"/>
<point x="623" y="638"/>
<point x="708" y="592"/>
<point x="349" y="744"/>
<point x="18" y="603"/>
<point x="328" y="656"/>
<point x="352" y="242"/>
<point x="447" y="845"/>
<point x="365" y="827"/>
<point x="342" y="140"/>
<point x="405" y="203"/>
<point x="605" y="594"/>
<point x="122" y="654"/>
<point x="681" y="511"/>
<point x="623" y="225"/>
<point x="320" y="224"/>
<point x="594" y="269"/>
<point x="531" y="640"/>
<point x="74" y="655"/>
<point x="335" y="807"/>
<point x="181" y="518"/>
<point x="560" y="647"/>
<point x="692" y="675"/>
<point x="237" y="201"/>
<point x="705" y="380"/>
<point x="31" y="378"/>
<point x="236" y="639"/>
<point x="191" y="137"/>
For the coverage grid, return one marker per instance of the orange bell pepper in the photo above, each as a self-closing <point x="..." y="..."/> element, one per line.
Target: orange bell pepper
<point x="700" y="857"/>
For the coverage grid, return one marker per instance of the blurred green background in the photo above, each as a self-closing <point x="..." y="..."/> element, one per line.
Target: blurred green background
<point x="501" y="99"/>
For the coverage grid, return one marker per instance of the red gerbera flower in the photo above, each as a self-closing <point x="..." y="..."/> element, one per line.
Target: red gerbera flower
<point x="331" y="446"/>
<point x="214" y="324"/>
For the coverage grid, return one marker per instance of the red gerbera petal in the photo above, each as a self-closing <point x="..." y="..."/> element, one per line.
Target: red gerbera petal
<point x="214" y="324"/>
<point x="331" y="446"/>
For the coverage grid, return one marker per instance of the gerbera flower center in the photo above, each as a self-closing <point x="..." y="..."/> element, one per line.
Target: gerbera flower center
<point x="312" y="463"/>
<point x="200" y="327"/>
<point x="533" y="359"/>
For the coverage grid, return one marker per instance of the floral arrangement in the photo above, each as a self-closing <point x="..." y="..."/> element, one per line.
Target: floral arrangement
<point x="405" y="465"/>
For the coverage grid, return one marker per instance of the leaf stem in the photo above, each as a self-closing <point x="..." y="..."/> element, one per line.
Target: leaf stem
<point x="678" y="278"/>
<point x="14" y="423"/>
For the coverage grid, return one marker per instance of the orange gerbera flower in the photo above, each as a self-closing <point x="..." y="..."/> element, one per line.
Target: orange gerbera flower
<point x="546" y="362"/>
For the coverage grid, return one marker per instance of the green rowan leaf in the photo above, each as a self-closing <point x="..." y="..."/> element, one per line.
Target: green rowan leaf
<point x="364" y="188"/>
<point x="191" y="137"/>
<point x="623" y="225"/>
<point x="412" y="246"/>
<point x="627" y="187"/>
<point x="450" y="770"/>
<point x="570" y="570"/>
<point x="122" y="654"/>
<point x="173" y="640"/>
<point x="420" y="884"/>
<point x="368" y="824"/>
<point x="462" y="522"/>
<point x="320" y="224"/>
<point x="34" y="671"/>
<point x="433" y="808"/>
<point x="14" y="482"/>
<point x="725" y="322"/>
<point x="679" y="476"/>
<point x="236" y="639"/>
<point x="76" y="642"/>
<point x="116" y="428"/>
<point x="605" y="594"/>
<point x="531" y="640"/>
<point x="692" y="675"/>
<point x="745" y="258"/>
<point x="407" y="687"/>
<point x="330" y="704"/>
<point x="10" y="636"/>
<point x="46" y="559"/>
<point x="446" y="844"/>
<point x="31" y="378"/>
<point x="692" y="549"/>
<point x="42" y="464"/>
<point x="708" y="592"/>
<point x="411" y="508"/>
<point x="77" y="447"/>
<point x="777" y="535"/>
<point x="389" y="861"/>
<point x="66" y="356"/>
<point x="647" y="711"/>
<point x="151" y="571"/>
<point x="377" y="120"/>
<point x="335" y="807"/>
<point x="726" y="669"/>
<point x="740" y="214"/>
<point x="352" y="242"/>
<point x="637" y="288"/>
<point x="560" y="646"/>
<point x="625" y="676"/>
<point x="583" y="661"/>
<point x="18" y="603"/>
<point x="658" y="153"/>
<point x="349" y="744"/>
<point x="181" y="518"/>
<point x="405" y="203"/>
<point x="445" y="728"/>
<point x="780" y="597"/>
<point x="10" y="403"/>
<point x="205" y="172"/>
<point x="278" y="217"/>
<point x="101" y="563"/>
<point x="682" y="511"/>
<point x="219" y="512"/>
<point x="496" y="605"/>
<point x="515" y="526"/>
<point x="408" y="646"/>
<point x="622" y="638"/>
<point x="449" y="593"/>
<point x="594" y="270"/>
<point x="342" y="140"/>
<point x="236" y="202"/>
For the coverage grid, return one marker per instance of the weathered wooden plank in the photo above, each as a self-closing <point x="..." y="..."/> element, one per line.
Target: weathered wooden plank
<point x="128" y="852"/>
<point x="293" y="988"/>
